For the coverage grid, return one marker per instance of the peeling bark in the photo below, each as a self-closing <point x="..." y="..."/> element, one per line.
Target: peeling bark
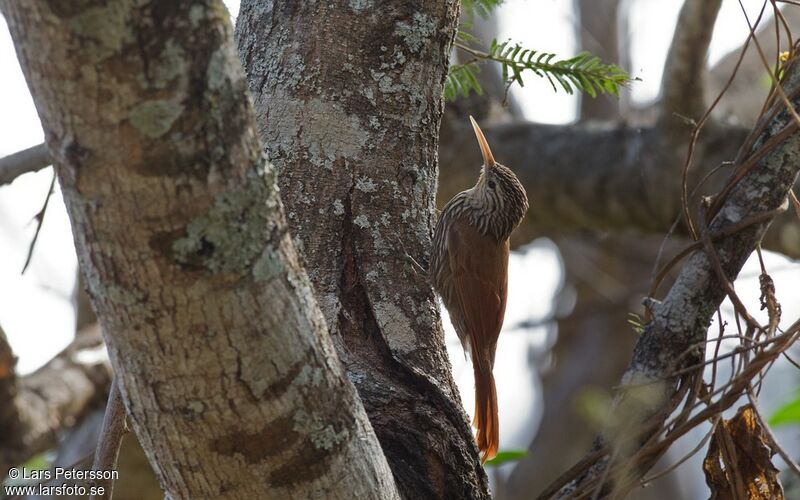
<point x="352" y="127"/>
<point x="227" y="372"/>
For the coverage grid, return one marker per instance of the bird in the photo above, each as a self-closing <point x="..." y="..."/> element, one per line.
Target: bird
<point x="469" y="270"/>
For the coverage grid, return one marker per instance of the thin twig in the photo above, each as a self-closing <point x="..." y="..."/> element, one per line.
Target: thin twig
<point x="775" y="81"/>
<point x="686" y="457"/>
<point x="22" y="162"/>
<point x="725" y="232"/>
<point x="39" y="221"/>
<point x="795" y="202"/>
<point x="790" y="360"/>
<point x="768" y="431"/>
<point x="109" y="442"/>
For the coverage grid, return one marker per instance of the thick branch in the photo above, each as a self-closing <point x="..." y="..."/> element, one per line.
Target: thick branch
<point x="679" y="323"/>
<point x="28" y="160"/>
<point x="607" y="178"/>
<point x="35" y="409"/>
<point x="612" y="178"/>
<point x="683" y="83"/>
<point x="220" y="349"/>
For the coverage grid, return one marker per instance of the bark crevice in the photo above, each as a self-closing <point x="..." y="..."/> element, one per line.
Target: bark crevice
<point x="367" y="166"/>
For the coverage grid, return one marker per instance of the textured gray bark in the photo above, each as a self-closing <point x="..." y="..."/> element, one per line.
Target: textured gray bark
<point x="348" y="97"/>
<point x="227" y="372"/>
<point x="610" y="178"/>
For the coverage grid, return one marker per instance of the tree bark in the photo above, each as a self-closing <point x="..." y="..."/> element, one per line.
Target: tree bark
<point x="352" y="127"/>
<point x="366" y="179"/>
<point x="230" y="380"/>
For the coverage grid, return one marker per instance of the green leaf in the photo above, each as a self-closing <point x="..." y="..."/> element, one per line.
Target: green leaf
<point x="786" y="414"/>
<point x="636" y="323"/>
<point x="461" y="80"/>
<point x="37" y="462"/>
<point x="506" y="456"/>
<point x="584" y="72"/>
<point x="482" y="8"/>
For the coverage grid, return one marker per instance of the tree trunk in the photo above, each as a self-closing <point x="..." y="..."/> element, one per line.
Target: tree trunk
<point x="231" y="382"/>
<point x="348" y="97"/>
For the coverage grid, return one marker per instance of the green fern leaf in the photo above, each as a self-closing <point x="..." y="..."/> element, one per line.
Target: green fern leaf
<point x="461" y="80"/>
<point x="482" y="8"/>
<point x="583" y="73"/>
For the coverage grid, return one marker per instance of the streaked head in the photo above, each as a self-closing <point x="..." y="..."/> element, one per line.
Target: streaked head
<point x="498" y="191"/>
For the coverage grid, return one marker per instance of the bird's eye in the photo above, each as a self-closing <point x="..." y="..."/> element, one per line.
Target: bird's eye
<point x="491" y="185"/>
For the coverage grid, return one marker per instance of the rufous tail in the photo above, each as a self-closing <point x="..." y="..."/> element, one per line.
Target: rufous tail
<point x="486" y="420"/>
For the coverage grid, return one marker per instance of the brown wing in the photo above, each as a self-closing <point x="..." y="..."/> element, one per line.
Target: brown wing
<point x="479" y="268"/>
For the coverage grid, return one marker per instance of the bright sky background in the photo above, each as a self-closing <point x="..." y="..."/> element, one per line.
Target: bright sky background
<point x="36" y="312"/>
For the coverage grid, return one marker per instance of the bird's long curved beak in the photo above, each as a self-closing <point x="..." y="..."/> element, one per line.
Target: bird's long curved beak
<point x="488" y="158"/>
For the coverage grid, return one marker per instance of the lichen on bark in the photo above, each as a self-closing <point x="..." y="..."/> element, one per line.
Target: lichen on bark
<point x="217" y="341"/>
<point x="236" y="231"/>
<point x="367" y="167"/>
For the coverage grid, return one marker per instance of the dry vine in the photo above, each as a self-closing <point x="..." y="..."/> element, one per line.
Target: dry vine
<point x="700" y="395"/>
